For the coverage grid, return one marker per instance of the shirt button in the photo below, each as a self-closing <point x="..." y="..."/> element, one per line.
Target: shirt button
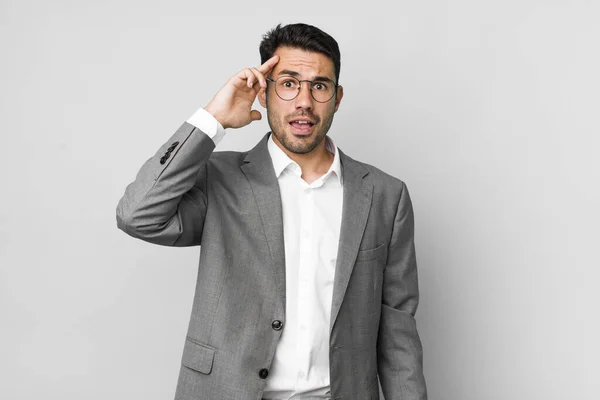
<point x="263" y="373"/>
<point x="277" y="325"/>
<point x="301" y="375"/>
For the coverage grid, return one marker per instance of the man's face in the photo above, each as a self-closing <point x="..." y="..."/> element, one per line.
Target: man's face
<point x="285" y="116"/>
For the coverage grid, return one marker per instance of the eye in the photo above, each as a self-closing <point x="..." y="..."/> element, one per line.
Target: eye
<point x="320" y="86"/>
<point x="288" y="83"/>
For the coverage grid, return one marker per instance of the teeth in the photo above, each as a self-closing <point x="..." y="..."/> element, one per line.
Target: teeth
<point x="301" y="122"/>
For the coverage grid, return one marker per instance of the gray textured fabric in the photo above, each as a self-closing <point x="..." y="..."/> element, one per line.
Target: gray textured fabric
<point x="229" y="203"/>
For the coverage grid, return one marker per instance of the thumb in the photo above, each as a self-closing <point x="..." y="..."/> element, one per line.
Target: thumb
<point x="255" y="115"/>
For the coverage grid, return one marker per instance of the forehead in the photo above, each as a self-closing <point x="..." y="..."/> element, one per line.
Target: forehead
<point x="307" y="63"/>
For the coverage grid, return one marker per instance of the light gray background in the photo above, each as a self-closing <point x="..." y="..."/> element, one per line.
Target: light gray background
<point x="487" y="109"/>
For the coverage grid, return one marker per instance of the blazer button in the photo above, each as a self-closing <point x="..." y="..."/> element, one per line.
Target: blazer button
<point x="277" y="325"/>
<point x="263" y="373"/>
<point x="163" y="160"/>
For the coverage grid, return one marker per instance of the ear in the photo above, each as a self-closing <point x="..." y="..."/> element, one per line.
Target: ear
<point x="262" y="97"/>
<point x="338" y="97"/>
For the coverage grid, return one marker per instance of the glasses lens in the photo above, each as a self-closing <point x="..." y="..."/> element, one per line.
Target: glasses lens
<point x="288" y="88"/>
<point x="322" y="91"/>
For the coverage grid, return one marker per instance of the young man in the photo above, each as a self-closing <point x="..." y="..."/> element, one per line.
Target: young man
<point x="307" y="282"/>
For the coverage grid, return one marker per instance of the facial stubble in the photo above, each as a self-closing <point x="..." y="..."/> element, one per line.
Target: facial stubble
<point x="277" y="124"/>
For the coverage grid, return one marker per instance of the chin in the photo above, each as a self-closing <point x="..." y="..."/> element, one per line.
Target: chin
<point x="302" y="144"/>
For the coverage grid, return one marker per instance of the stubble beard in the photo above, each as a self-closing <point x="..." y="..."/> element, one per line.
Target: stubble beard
<point x="278" y="126"/>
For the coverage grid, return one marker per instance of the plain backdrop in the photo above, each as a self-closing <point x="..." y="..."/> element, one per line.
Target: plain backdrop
<point x="488" y="110"/>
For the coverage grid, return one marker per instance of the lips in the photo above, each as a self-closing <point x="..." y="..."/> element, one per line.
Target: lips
<point x="302" y="126"/>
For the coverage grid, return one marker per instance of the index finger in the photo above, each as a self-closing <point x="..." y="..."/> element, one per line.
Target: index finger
<point x="268" y="65"/>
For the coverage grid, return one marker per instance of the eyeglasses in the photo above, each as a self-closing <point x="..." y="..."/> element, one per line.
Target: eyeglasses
<point x="288" y="88"/>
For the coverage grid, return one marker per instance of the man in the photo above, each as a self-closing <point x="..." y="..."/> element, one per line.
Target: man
<point x="307" y="281"/>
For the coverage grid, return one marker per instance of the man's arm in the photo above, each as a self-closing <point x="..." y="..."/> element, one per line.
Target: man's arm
<point x="166" y="204"/>
<point x="399" y="351"/>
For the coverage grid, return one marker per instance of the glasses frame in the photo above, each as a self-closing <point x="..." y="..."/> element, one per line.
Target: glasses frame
<point x="335" y="85"/>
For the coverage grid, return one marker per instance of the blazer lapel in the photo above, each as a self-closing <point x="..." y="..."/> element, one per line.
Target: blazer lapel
<point x="258" y="168"/>
<point x="357" y="193"/>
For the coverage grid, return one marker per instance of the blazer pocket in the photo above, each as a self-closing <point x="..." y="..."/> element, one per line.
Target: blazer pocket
<point x="371" y="254"/>
<point x="198" y="356"/>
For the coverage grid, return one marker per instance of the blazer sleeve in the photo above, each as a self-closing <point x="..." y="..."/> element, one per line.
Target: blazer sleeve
<point x="399" y="350"/>
<point x="166" y="204"/>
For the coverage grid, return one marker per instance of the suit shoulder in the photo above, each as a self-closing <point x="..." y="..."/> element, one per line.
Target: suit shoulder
<point x="382" y="179"/>
<point x="227" y="159"/>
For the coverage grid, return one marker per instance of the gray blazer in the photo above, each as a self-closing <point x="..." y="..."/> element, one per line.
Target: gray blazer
<point x="229" y="203"/>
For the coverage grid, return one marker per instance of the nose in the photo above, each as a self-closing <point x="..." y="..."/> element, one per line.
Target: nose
<point x="304" y="98"/>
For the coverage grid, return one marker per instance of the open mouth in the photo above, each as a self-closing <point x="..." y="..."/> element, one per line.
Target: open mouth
<point x="301" y="127"/>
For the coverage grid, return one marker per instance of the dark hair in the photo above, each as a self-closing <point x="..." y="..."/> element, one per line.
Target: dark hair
<point x="301" y="36"/>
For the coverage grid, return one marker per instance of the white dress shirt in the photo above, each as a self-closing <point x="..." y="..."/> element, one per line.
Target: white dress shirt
<point x="312" y="216"/>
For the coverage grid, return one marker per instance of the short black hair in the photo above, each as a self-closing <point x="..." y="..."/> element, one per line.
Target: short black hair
<point x="301" y="36"/>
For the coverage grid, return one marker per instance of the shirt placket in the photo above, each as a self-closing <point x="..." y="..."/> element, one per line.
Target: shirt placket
<point x="306" y="271"/>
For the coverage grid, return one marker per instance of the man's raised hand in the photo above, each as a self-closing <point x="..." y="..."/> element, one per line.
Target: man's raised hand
<point x="232" y="105"/>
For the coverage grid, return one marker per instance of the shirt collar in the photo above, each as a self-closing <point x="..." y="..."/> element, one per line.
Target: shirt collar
<point x="281" y="161"/>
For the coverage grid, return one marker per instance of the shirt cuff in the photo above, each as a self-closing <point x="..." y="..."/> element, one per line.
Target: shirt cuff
<point x="208" y="124"/>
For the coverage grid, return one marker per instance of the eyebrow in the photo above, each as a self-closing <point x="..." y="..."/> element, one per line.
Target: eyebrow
<point x="297" y="74"/>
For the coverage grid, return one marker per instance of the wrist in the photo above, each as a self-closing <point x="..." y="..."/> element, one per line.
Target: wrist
<point x="216" y="116"/>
